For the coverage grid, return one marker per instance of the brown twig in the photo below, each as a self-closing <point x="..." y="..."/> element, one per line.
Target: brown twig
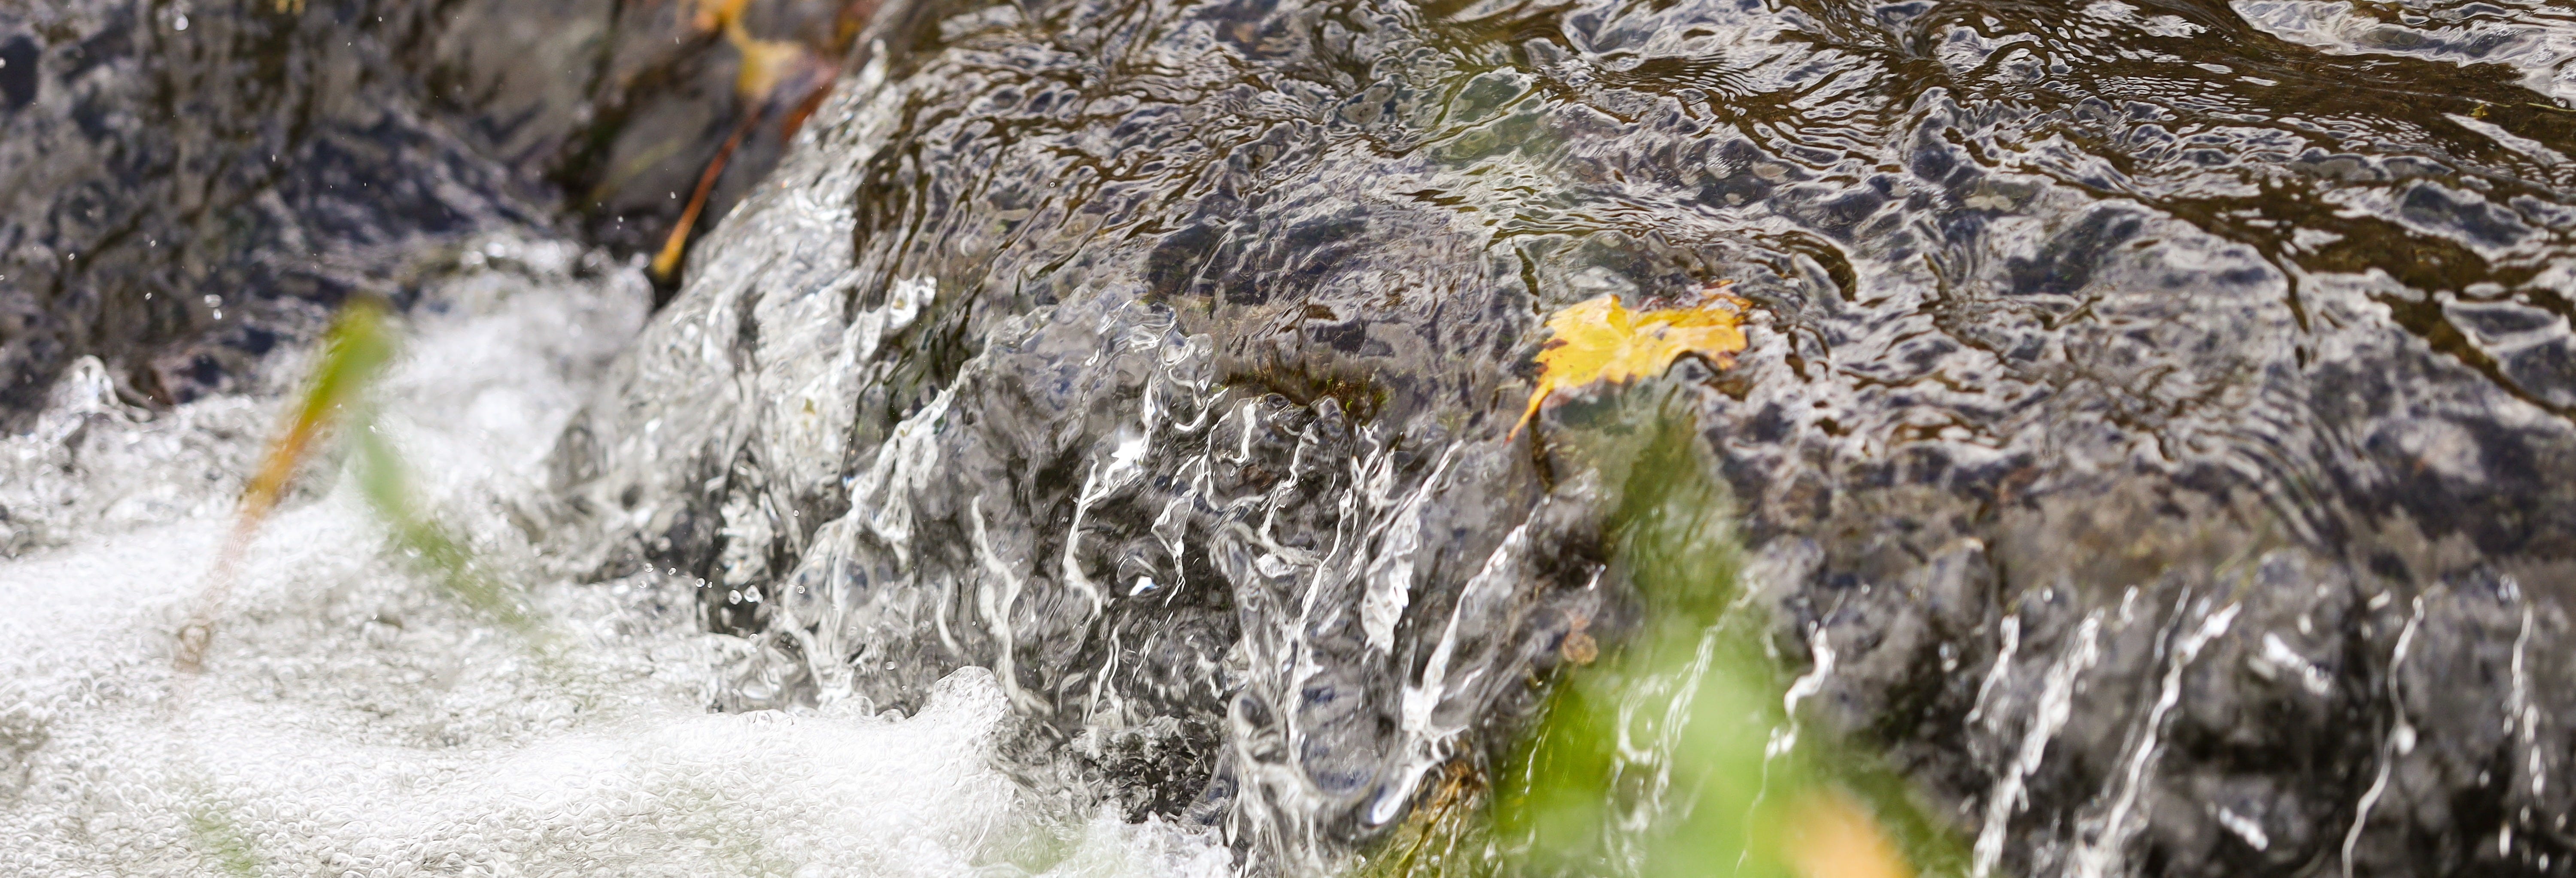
<point x="668" y="260"/>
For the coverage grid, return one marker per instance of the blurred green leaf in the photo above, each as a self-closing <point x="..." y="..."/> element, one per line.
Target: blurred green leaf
<point x="1669" y="755"/>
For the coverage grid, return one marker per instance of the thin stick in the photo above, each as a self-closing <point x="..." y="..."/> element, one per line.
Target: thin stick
<point x="669" y="259"/>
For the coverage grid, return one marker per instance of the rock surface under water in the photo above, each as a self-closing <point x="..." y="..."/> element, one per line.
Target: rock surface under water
<point x="2156" y="431"/>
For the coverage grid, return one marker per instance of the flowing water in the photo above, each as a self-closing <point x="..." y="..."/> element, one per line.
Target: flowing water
<point x="2155" y="442"/>
<point x="353" y="721"/>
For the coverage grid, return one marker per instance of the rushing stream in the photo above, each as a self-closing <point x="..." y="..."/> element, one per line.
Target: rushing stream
<point x="1090" y="448"/>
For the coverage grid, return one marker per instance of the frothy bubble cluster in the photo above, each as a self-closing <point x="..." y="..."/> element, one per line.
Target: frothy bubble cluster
<point x="352" y="720"/>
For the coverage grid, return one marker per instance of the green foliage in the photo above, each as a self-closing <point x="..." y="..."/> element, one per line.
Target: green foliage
<point x="1674" y="754"/>
<point x="361" y="345"/>
<point x="382" y="478"/>
<point x="1689" y="690"/>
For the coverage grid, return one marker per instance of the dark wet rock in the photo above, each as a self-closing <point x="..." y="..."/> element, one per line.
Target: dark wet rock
<point x="2169" y="461"/>
<point x="184" y="188"/>
<point x="18" y="74"/>
<point x="2156" y="434"/>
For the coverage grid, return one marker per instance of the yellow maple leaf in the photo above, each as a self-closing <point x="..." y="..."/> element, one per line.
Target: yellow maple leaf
<point x="1598" y="340"/>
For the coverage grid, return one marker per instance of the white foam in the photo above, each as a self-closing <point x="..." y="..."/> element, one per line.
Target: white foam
<point x="353" y="721"/>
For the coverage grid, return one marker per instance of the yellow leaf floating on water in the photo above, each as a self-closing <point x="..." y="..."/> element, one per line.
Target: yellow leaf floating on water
<point x="1599" y="340"/>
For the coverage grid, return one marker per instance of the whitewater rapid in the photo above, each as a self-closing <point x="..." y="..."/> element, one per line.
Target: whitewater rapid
<point x="353" y="720"/>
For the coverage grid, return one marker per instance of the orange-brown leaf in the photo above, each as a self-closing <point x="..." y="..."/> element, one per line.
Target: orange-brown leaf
<point x="1599" y="340"/>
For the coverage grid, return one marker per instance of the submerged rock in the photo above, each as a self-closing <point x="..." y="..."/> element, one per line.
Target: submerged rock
<point x="2154" y="426"/>
<point x="2155" y="434"/>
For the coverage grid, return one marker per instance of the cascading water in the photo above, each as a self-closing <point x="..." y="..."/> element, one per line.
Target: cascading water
<point x="351" y="721"/>
<point x="2154" y="444"/>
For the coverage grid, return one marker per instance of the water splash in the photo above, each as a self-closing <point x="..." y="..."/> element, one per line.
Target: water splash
<point x="2400" y="740"/>
<point x="355" y="717"/>
<point x="2104" y="853"/>
<point x="2056" y="704"/>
